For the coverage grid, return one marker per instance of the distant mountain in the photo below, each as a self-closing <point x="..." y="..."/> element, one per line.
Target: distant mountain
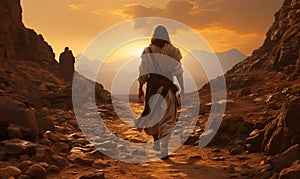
<point x="230" y="58"/>
<point x="194" y="73"/>
<point x="105" y="73"/>
<point x="201" y="63"/>
<point x="227" y="59"/>
<point x="86" y="67"/>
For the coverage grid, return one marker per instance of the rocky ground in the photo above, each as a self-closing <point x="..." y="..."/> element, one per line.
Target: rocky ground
<point x="67" y="154"/>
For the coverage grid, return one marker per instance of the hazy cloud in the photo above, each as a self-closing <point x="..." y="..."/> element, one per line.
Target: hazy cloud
<point x="225" y="24"/>
<point x="242" y="16"/>
<point x="75" y="6"/>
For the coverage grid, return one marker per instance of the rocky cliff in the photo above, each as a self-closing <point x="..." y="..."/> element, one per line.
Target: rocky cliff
<point x="271" y="76"/>
<point x="18" y="42"/>
<point x="280" y="50"/>
<point x="36" y="116"/>
<point x="264" y="94"/>
<point x="27" y="68"/>
<point x="29" y="78"/>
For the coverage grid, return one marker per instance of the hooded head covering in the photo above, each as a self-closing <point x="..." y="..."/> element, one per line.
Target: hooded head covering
<point x="161" y="33"/>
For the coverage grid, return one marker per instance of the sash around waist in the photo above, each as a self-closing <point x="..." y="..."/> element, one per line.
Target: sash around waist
<point x="157" y="81"/>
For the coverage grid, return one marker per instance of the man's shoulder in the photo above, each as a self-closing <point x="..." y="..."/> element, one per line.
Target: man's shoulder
<point x="172" y="47"/>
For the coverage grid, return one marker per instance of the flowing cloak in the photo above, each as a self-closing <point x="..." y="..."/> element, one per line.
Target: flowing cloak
<point x="159" y="116"/>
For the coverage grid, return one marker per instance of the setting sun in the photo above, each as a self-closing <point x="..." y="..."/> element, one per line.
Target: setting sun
<point x="127" y="51"/>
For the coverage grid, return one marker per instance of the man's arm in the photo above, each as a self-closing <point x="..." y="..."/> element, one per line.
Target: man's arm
<point x="181" y="84"/>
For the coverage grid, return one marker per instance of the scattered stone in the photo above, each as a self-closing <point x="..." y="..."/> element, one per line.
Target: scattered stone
<point x="46" y="154"/>
<point x="46" y="142"/>
<point x="43" y="152"/>
<point x="10" y="171"/>
<point x="17" y="146"/>
<point x="268" y="167"/>
<point x="36" y="171"/>
<point x="78" y="157"/>
<point x="14" y="131"/>
<point x="194" y="158"/>
<point x="96" y="154"/>
<point x="236" y="150"/>
<point x="99" y="175"/>
<point x="285" y="159"/>
<point x="258" y="100"/>
<point x="245" y="91"/>
<point x="53" y="168"/>
<point x="44" y="164"/>
<point x="291" y="172"/>
<point x="219" y="158"/>
<point x="253" y="143"/>
<point x="263" y="162"/>
<point x="230" y="168"/>
<point x="99" y="164"/>
<point x="122" y="171"/>
<point x="25" y="164"/>
<point x="58" y="161"/>
<point x="75" y="172"/>
<point x="193" y="139"/>
<point x="216" y="150"/>
<point x="84" y="161"/>
<point x="230" y="129"/>
<point x="61" y="147"/>
<point x="51" y="136"/>
<point x="76" y="135"/>
<point x="44" y="123"/>
<point x="199" y="130"/>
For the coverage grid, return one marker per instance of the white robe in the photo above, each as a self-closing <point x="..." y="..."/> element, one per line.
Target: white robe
<point x="164" y="116"/>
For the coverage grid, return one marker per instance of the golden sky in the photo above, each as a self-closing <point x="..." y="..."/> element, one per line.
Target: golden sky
<point x="225" y="24"/>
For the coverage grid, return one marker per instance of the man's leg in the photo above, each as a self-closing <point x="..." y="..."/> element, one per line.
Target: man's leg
<point x="164" y="147"/>
<point x="156" y="145"/>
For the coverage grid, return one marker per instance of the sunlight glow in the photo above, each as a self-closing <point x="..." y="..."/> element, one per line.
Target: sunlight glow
<point x="138" y="52"/>
<point x="128" y="51"/>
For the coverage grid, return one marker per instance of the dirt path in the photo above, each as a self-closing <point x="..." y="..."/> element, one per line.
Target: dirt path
<point x="186" y="162"/>
<point x="192" y="162"/>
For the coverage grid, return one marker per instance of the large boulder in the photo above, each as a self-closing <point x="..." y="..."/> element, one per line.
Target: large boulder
<point x="231" y="130"/>
<point x="291" y="172"/>
<point x="10" y="172"/>
<point x="20" y="121"/>
<point x="16" y="112"/>
<point x="280" y="133"/>
<point x="285" y="159"/>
